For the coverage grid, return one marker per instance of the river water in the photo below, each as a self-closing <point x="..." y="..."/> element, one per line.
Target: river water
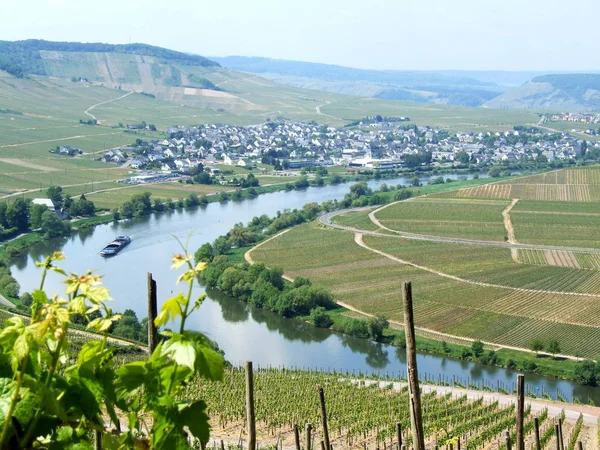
<point x="246" y="333"/>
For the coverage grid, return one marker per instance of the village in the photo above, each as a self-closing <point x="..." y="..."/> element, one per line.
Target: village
<point x="375" y="145"/>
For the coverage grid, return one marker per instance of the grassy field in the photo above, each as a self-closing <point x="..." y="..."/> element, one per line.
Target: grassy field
<point x="474" y="219"/>
<point x="173" y="190"/>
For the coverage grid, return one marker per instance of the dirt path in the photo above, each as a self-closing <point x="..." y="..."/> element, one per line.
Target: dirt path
<point x="87" y="111"/>
<point x="318" y="109"/>
<point x="28" y="165"/>
<point x="59" y="139"/>
<point x="510" y="231"/>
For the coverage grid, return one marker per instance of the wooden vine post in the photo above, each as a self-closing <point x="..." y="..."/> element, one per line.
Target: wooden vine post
<point x="296" y="437"/>
<point x="520" y="411"/>
<point x="308" y="435"/>
<point x="152" y="313"/>
<point x="251" y="422"/>
<point x="536" y="424"/>
<point x="416" y="418"/>
<point x="324" y="419"/>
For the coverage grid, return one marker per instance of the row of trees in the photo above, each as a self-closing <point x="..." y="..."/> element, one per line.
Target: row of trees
<point x="265" y="288"/>
<point x="140" y="205"/>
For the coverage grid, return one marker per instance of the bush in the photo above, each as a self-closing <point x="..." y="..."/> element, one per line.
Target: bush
<point x="529" y="366"/>
<point x="320" y="318"/>
<point x="510" y="364"/>
<point x="357" y="328"/>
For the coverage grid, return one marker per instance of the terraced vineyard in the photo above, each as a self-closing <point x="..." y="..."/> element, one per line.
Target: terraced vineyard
<point x="361" y="414"/>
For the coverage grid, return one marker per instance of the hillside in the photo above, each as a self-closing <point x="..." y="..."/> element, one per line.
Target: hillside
<point x="418" y="86"/>
<point x="565" y="92"/>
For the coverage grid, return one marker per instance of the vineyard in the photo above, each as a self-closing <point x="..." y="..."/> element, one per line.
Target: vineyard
<point x="472" y="219"/>
<point x="572" y="185"/>
<point x="502" y="313"/>
<point x="365" y="413"/>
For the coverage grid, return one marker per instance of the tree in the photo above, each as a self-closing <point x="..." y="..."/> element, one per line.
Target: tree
<point x="477" y="348"/>
<point x="17" y="215"/>
<point x="495" y="172"/>
<point x="462" y="157"/>
<point x="26" y="299"/>
<point x="36" y="212"/>
<point x="55" y="193"/>
<point x="129" y="327"/>
<point x="553" y="347"/>
<point x="204" y="253"/>
<point x="221" y="245"/>
<point x="53" y="226"/>
<point x="537" y="346"/>
<point x="376" y="326"/>
<point x="587" y="372"/>
<point x="414" y="181"/>
<point x="3" y="208"/>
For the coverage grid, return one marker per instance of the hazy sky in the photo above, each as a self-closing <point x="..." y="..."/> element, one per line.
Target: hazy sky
<point x="376" y="34"/>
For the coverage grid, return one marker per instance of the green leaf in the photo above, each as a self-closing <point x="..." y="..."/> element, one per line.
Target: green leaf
<point x="171" y="309"/>
<point x="89" y="351"/>
<point x="195" y="418"/>
<point x="38" y="296"/>
<point x="5" y="397"/>
<point x="180" y="351"/>
<point x="130" y="378"/>
<point x="209" y="363"/>
<point x="21" y="347"/>
<point x="78" y="305"/>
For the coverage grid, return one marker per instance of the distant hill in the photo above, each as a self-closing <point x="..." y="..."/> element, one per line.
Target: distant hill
<point x="22" y="57"/>
<point x="446" y="87"/>
<point x="568" y="92"/>
<point x="144" y="68"/>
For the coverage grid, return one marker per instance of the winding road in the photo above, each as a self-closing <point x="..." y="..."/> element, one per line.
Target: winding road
<point x="87" y="111"/>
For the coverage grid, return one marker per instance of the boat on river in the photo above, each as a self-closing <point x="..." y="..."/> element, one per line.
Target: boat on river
<point x="118" y="244"/>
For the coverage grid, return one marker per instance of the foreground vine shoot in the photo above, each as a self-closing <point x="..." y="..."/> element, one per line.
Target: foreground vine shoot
<point x="50" y="400"/>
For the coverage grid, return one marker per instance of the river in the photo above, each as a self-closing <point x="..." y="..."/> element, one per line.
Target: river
<point x="242" y="332"/>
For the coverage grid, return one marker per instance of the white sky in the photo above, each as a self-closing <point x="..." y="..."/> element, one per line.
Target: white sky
<point x="374" y="34"/>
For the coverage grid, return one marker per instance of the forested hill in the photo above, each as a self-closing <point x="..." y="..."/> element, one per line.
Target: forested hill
<point x="24" y="57"/>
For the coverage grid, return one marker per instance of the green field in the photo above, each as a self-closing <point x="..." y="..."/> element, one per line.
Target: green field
<point x="474" y="219"/>
<point x="173" y="190"/>
<point x="359" y="220"/>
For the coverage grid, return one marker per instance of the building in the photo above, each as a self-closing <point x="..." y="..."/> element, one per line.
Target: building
<point x="44" y="202"/>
